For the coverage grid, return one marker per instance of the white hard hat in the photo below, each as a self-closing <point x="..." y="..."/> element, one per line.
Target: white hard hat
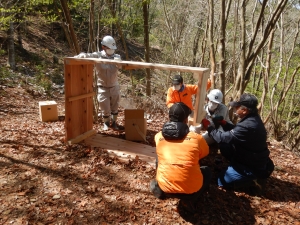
<point x="215" y="95"/>
<point x="109" y="42"/>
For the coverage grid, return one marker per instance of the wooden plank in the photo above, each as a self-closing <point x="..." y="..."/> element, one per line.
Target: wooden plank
<point x="199" y="112"/>
<point x="68" y="105"/>
<point x="90" y="102"/>
<point x="82" y="137"/>
<point x="120" y="144"/>
<point x="81" y="96"/>
<point x="138" y="65"/>
<point x="123" y="148"/>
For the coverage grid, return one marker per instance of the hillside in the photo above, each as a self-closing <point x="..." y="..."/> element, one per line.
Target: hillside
<point x="44" y="181"/>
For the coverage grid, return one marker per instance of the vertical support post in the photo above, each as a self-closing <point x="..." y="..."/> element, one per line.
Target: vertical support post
<point x="199" y="112"/>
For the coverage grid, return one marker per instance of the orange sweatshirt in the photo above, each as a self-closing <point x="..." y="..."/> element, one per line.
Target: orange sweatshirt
<point x="185" y="95"/>
<point x="178" y="168"/>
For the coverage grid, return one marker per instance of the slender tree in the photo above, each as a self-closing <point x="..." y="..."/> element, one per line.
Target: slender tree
<point x="147" y="47"/>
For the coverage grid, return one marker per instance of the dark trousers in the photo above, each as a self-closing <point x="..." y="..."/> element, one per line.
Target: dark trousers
<point x="238" y="174"/>
<point x="207" y="175"/>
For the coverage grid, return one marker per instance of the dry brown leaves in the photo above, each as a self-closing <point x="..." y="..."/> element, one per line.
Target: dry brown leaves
<point x="43" y="181"/>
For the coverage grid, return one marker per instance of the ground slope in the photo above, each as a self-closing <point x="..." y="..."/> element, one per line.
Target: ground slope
<point x="44" y="181"/>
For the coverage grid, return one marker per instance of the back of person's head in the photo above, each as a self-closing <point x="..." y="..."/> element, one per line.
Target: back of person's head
<point x="179" y="112"/>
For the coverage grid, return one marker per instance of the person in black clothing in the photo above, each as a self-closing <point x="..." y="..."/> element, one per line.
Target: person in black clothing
<point x="244" y="145"/>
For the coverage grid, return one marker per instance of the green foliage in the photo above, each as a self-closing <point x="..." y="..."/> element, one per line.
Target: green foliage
<point x="2" y="52"/>
<point x="42" y="79"/>
<point x="5" y="73"/>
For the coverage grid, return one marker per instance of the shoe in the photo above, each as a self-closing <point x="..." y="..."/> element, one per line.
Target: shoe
<point x="187" y="206"/>
<point x="155" y="190"/>
<point x="259" y="186"/>
<point x="114" y="126"/>
<point x="106" y="126"/>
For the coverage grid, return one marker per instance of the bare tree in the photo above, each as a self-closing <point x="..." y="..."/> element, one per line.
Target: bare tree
<point x="92" y="46"/>
<point x="70" y="26"/>
<point x="147" y="47"/>
<point x="250" y="51"/>
<point x="211" y="43"/>
<point x="11" y="47"/>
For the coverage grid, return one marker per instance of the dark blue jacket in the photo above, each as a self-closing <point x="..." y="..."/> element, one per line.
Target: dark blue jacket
<point x="249" y="139"/>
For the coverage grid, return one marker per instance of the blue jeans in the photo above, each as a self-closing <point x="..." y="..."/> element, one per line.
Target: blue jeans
<point x="231" y="177"/>
<point x="238" y="175"/>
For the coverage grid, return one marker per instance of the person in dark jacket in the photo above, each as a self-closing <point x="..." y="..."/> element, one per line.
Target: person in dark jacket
<point x="244" y="145"/>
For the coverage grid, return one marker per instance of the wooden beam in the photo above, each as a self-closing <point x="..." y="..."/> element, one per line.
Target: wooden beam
<point x="82" y="137"/>
<point x="81" y="96"/>
<point x="137" y="65"/>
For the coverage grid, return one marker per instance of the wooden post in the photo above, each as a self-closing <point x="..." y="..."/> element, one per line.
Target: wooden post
<point x="199" y="112"/>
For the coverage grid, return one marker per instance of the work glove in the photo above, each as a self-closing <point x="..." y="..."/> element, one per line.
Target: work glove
<point x="218" y="120"/>
<point x="196" y="129"/>
<point x="81" y="55"/>
<point x="205" y="123"/>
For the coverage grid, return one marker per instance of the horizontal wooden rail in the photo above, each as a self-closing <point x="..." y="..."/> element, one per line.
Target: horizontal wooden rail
<point x="137" y="65"/>
<point x="81" y="96"/>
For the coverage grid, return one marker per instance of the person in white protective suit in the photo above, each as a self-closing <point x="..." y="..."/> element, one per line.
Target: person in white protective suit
<point x="215" y="111"/>
<point x="107" y="82"/>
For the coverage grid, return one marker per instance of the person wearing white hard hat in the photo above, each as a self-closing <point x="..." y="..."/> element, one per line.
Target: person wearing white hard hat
<point x="215" y="110"/>
<point x="107" y="82"/>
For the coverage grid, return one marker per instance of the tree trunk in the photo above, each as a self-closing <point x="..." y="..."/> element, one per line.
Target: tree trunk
<point x="65" y="28"/>
<point x="68" y="18"/>
<point x="11" y="47"/>
<point x="266" y="73"/>
<point x="147" y="48"/>
<point x="196" y="44"/>
<point x="221" y="49"/>
<point x="247" y="59"/>
<point x="211" y="44"/>
<point x="92" y="46"/>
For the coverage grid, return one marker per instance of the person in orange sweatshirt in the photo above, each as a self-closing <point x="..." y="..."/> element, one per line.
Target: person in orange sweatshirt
<point x="180" y="92"/>
<point x="179" y="174"/>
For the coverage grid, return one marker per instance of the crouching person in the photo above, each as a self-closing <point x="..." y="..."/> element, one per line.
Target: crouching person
<point x="244" y="145"/>
<point x="179" y="174"/>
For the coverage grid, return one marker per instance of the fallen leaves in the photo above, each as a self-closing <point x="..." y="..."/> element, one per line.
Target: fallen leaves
<point x="44" y="181"/>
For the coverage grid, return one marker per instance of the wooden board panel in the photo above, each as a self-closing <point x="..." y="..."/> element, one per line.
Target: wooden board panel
<point x="79" y="112"/>
<point x="123" y="148"/>
<point x="140" y="65"/>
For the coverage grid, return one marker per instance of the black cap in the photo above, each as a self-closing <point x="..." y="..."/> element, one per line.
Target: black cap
<point x="248" y="100"/>
<point x="179" y="112"/>
<point x="177" y="79"/>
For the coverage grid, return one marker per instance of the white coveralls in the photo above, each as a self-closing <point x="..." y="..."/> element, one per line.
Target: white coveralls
<point x="107" y="83"/>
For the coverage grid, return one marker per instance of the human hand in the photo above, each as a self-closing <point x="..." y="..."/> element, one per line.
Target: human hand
<point x="196" y="129"/>
<point x="81" y="55"/>
<point x="205" y="123"/>
<point x="218" y="120"/>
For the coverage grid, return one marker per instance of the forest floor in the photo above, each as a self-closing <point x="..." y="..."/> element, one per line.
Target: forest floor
<point x="45" y="181"/>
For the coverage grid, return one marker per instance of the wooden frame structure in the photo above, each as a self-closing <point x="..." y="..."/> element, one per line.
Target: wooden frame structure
<point x="78" y="73"/>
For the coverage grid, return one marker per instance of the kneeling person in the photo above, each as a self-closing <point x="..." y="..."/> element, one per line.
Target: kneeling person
<point x="179" y="174"/>
<point x="244" y="145"/>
